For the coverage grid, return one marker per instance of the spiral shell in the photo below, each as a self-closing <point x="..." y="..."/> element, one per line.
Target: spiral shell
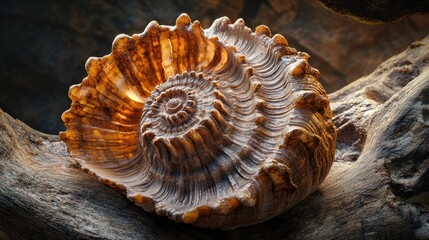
<point x="218" y="127"/>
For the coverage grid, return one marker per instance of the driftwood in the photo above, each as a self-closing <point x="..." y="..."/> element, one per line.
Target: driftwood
<point x="377" y="188"/>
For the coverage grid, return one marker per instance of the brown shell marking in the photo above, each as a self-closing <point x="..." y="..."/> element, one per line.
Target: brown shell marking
<point x="218" y="127"/>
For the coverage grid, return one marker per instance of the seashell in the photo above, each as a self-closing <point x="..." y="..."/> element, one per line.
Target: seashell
<point x="218" y="127"/>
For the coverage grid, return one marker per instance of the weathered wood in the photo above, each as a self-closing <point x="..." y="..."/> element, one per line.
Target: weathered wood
<point x="378" y="187"/>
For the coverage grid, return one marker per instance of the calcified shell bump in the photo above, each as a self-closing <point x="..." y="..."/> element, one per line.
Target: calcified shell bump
<point x="218" y="127"/>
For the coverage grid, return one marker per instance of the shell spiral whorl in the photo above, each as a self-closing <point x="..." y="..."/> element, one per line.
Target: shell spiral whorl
<point x="179" y="119"/>
<point x="219" y="127"/>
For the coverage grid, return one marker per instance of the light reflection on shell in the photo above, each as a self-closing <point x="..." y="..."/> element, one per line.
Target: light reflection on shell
<point x="222" y="127"/>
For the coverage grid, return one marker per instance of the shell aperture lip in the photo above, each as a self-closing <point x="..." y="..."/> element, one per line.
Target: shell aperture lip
<point x="218" y="127"/>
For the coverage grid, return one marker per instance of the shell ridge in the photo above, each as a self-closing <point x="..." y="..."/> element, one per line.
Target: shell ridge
<point x="167" y="53"/>
<point x="120" y="87"/>
<point x="140" y="70"/>
<point x="121" y="55"/>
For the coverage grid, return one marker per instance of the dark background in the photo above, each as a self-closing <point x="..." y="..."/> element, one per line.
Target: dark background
<point x="45" y="44"/>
